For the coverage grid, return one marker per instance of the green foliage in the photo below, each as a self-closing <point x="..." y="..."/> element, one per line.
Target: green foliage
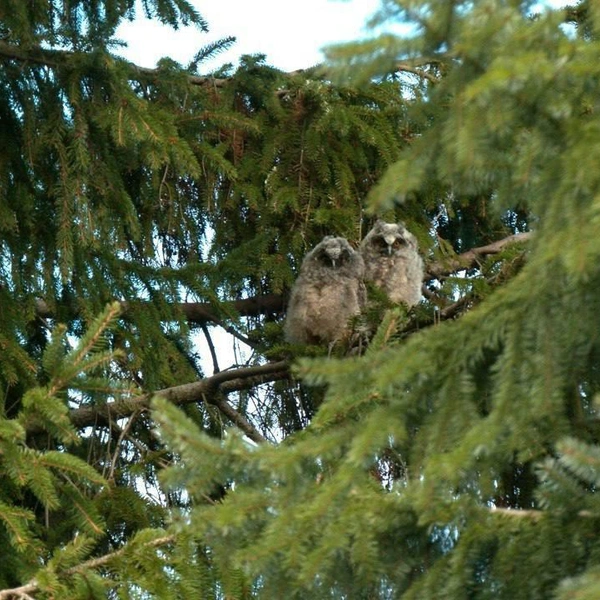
<point x="417" y="477"/>
<point x="84" y="25"/>
<point x="151" y="188"/>
<point x="450" y="458"/>
<point x="45" y="492"/>
<point x="287" y="526"/>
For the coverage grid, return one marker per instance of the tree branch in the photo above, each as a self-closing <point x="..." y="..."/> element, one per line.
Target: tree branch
<point x="209" y="389"/>
<point x="415" y="71"/>
<point x="224" y="382"/>
<point x="237" y="418"/>
<point x="211" y="347"/>
<point x="202" y="312"/>
<point x="36" y="55"/>
<point x="55" y="58"/>
<point x="532" y="513"/>
<point x="415" y="65"/>
<point x="471" y="257"/>
<point x="23" y="591"/>
<point x="459" y="262"/>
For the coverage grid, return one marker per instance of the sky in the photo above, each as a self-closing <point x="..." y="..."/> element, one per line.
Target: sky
<point x="291" y="34"/>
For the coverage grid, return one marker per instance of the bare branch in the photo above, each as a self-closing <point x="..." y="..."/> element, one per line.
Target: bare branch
<point x="532" y="513"/>
<point x="418" y="72"/>
<point x="238" y="418"/>
<point x="211" y="348"/>
<point x="202" y="312"/>
<point x="209" y="390"/>
<point x="197" y="312"/>
<point x="470" y="257"/>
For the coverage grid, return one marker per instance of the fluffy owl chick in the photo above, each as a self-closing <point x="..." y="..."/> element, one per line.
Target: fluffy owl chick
<point x="392" y="262"/>
<point x="329" y="291"/>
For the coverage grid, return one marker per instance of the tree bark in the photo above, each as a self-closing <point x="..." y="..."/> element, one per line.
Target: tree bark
<point x="212" y="390"/>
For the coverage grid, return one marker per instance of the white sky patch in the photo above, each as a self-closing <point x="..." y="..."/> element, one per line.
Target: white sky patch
<point x="290" y="34"/>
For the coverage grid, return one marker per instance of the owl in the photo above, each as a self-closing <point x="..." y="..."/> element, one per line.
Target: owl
<point x="329" y="291"/>
<point x="392" y="262"/>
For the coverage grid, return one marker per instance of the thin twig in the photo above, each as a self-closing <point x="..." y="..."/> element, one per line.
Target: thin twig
<point x="237" y="418"/>
<point x="236" y="334"/>
<point x="23" y="591"/>
<point x="122" y="434"/>
<point x="211" y="347"/>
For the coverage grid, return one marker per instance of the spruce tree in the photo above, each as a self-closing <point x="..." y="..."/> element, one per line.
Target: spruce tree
<point x="456" y="456"/>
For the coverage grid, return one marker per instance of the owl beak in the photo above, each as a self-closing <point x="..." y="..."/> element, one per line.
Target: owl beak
<point x="389" y="240"/>
<point x="333" y="254"/>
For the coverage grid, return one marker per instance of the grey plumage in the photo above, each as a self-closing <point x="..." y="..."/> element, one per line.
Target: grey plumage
<point x="329" y="291"/>
<point x="392" y="262"/>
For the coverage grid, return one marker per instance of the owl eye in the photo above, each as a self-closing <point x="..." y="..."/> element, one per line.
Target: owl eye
<point x="399" y="242"/>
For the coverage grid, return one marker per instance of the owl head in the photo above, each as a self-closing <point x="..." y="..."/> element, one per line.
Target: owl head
<point x="333" y="252"/>
<point x="388" y="239"/>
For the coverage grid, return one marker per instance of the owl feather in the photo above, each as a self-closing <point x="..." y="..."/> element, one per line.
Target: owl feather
<point x="329" y="291"/>
<point x="392" y="262"/>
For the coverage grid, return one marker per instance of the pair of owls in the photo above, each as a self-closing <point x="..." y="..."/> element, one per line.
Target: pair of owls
<point x="330" y="288"/>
